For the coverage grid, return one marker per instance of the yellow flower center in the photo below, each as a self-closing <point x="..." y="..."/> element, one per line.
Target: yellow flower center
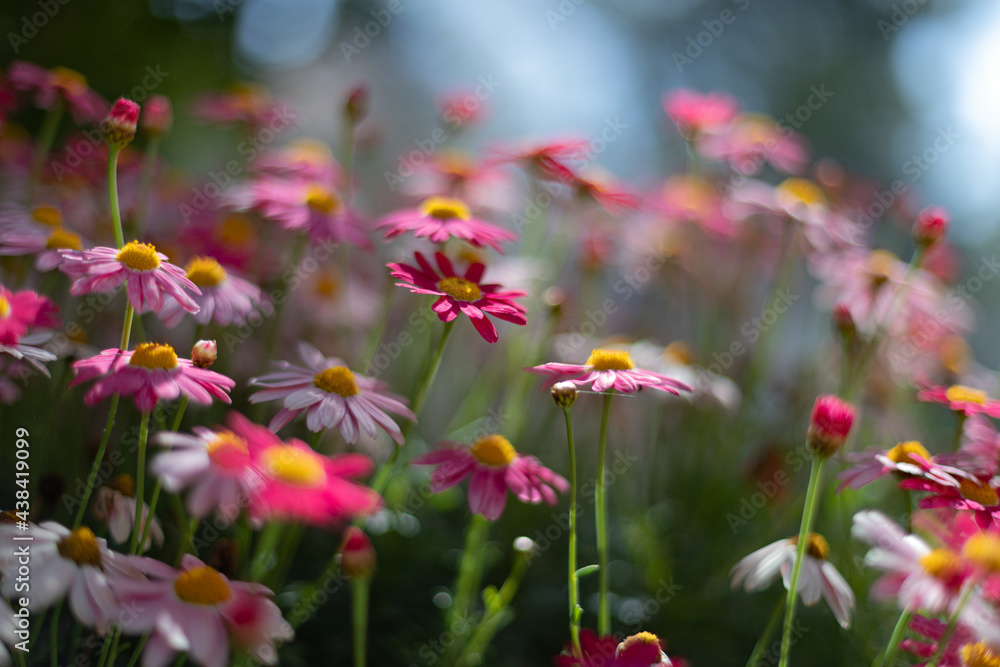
<point x="81" y="547"/>
<point x="679" y="352"/>
<point x="647" y="638"/>
<point x="984" y="495"/>
<point x="941" y="563"/>
<point x="236" y="231"/>
<point x="49" y="216"/>
<point x="799" y="191"/>
<point x="294" y="466"/>
<point x="445" y="208"/>
<point x="139" y="256"/>
<point x="610" y="360"/>
<point x="955" y="354"/>
<point x="456" y="164"/>
<point x="62" y="238"/>
<point x="154" y="355"/>
<point x="757" y="127"/>
<point x="311" y="151"/>
<point x="226" y="445"/>
<point x="4" y="307"/>
<point x="248" y="96"/>
<point x="460" y="288"/>
<point x="337" y="380"/>
<point x="901" y="452"/>
<point x="693" y="193"/>
<point x="205" y="272"/>
<point x="9" y="516"/>
<point x="327" y="285"/>
<point x="980" y="654"/>
<point x="493" y="450"/>
<point x="123" y="484"/>
<point x="68" y="79"/>
<point x="816" y="545"/>
<point x="202" y="585"/>
<point x="983" y="549"/>
<point x="322" y="199"/>
<point x="961" y="394"/>
<point x="880" y="266"/>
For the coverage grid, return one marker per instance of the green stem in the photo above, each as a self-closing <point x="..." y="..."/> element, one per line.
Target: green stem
<point x="140" y="482"/>
<point x="142" y="203"/>
<point x="959" y="422"/>
<point x="98" y="459"/>
<point x="952" y="625"/>
<point x="497" y="614"/>
<point x="152" y="511"/>
<point x="469" y="571"/>
<point x="127" y="328"/>
<point x="269" y="539"/>
<point x="180" y="414"/>
<point x="888" y="656"/>
<point x="138" y="651"/>
<point x="604" y="613"/>
<point x="54" y="635"/>
<point x="106" y="646"/>
<point x="812" y="495"/>
<point x="574" y="584"/>
<point x="765" y="637"/>
<point x="46" y="137"/>
<point x="359" y="618"/>
<point x="189" y="529"/>
<point x="116" y="214"/>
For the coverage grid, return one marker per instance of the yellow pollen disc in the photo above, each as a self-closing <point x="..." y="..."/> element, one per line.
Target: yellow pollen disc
<point x="799" y="191"/>
<point x="323" y="200"/>
<point x="327" y="285"/>
<point x="693" y="193"/>
<point x="248" y="96"/>
<point x="679" y="352"/>
<point x="81" y="547"/>
<point x="980" y="654"/>
<point x="958" y="393"/>
<point x="205" y="272"/>
<point x="69" y="79"/>
<point x="337" y="380"/>
<point x="202" y="585"/>
<point x="139" y="256"/>
<point x="984" y="495"/>
<point x="236" y="231"/>
<point x="456" y="164"/>
<point x="954" y="353"/>
<point x="901" y="452"/>
<point x="4" y="308"/>
<point x="226" y="443"/>
<point x="311" y="151"/>
<point x="460" y="288"/>
<point x="941" y="563"/>
<point x="641" y="638"/>
<point x="62" y="239"/>
<point x="445" y="208"/>
<point x="816" y="545"/>
<point x="610" y="360"/>
<point x="49" y="216"/>
<point x="983" y="549"/>
<point x="880" y="265"/>
<point x="154" y="355"/>
<point x="123" y="484"/>
<point x="493" y="450"/>
<point x="758" y="128"/>
<point x="8" y="516"/>
<point x="294" y="466"/>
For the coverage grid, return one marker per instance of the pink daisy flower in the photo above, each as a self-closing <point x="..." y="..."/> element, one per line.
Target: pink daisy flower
<point x="115" y="504"/>
<point x="308" y="159"/>
<point x="495" y="467"/>
<point x="300" y="484"/>
<point x="150" y="373"/>
<point x="980" y="450"/>
<point x="694" y="112"/>
<point x="149" y="275"/>
<point x="906" y="459"/>
<point x="609" y="369"/>
<point x="49" y="86"/>
<point x="596" y="651"/>
<point x="933" y="630"/>
<point x="972" y="494"/>
<point x="753" y="139"/>
<point x="36" y="231"/>
<point x="461" y="294"/>
<point x="546" y="160"/>
<point x="242" y="103"/>
<point x="224" y="297"/>
<point x="441" y="218"/>
<point x="214" y="465"/>
<point x="198" y="610"/>
<point x="332" y="396"/>
<point x="962" y="399"/>
<point x="19" y="311"/>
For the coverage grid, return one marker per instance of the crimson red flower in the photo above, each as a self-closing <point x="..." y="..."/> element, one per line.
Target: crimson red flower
<point x="829" y="425"/>
<point x="962" y="399"/>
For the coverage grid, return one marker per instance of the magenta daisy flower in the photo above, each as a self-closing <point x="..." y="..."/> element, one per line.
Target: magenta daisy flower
<point x="197" y="610"/>
<point x="20" y="311"/>
<point x="441" y="218"/>
<point x="461" y="294"/>
<point x="149" y="373"/>
<point x="299" y="484"/>
<point x="609" y="369"/>
<point x="225" y="297"/>
<point x="495" y="467"/>
<point x="975" y="495"/>
<point x="51" y="85"/>
<point x="241" y="103"/>
<point x="906" y="459"/>
<point x="332" y="396"/>
<point x="962" y="399"/>
<point x="150" y="276"/>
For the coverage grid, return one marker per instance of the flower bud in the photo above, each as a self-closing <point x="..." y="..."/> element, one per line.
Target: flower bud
<point x="357" y="556"/>
<point x="204" y="353"/>
<point x="157" y="116"/>
<point x="829" y="425"/>
<point x="356" y="106"/>
<point x="931" y="226"/>
<point x="119" y="124"/>
<point x="642" y="650"/>
<point x="843" y="321"/>
<point x="564" y="394"/>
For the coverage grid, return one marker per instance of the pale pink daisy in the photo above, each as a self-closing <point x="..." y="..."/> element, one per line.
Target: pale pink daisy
<point x="495" y="467"/>
<point x="332" y="396"/>
<point x="461" y="294"/>
<point x="198" y="610"/>
<point x="308" y="159"/>
<point x="545" y="160"/>
<point x="905" y="459"/>
<point x="609" y="369"/>
<point x="753" y="140"/>
<point x="20" y="311"/>
<point x="817" y="577"/>
<point x="972" y="494"/>
<point x="115" y="504"/>
<point x="37" y="231"/>
<point x="439" y="219"/>
<point x="967" y="400"/>
<point x="695" y="112"/>
<point x="150" y="373"/>
<point x="150" y="275"/>
<point x="59" y="83"/>
<point x="225" y="297"/>
<point x="213" y="465"/>
<point x="247" y="103"/>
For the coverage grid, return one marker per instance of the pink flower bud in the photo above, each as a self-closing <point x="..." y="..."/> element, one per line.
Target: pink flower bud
<point x="356" y="107"/>
<point x="119" y="124"/>
<point x="204" y="353"/>
<point x="931" y="226"/>
<point x="157" y="116"/>
<point x="641" y="650"/>
<point x="843" y="321"/>
<point x="829" y="425"/>
<point x="357" y="556"/>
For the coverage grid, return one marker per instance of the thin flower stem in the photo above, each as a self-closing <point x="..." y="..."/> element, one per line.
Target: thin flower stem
<point x="106" y="647"/>
<point x="116" y="215"/>
<point x="152" y="511"/>
<point x="46" y="137"/>
<point x="888" y="657"/>
<point x="140" y="482"/>
<point x="765" y="636"/>
<point x="98" y="459"/>
<point x="952" y="625"/>
<point x="189" y="529"/>
<point x="574" y="584"/>
<point x="812" y="495"/>
<point x="127" y="328"/>
<point x="359" y="619"/>
<point x="469" y="571"/>
<point x="495" y="617"/>
<point x="604" y="613"/>
<point x="138" y="651"/>
<point x="180" y="414"/>
<point x="959" y="422"/>
<point x="266" y="546"/>
<point x="54" y="635"/>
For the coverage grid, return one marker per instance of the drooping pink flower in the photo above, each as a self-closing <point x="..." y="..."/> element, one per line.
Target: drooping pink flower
<point x="224" y="298"/>
<point x="694" y="112"/>
<point x="546" y="160"/>
<point x="58" y="83"/>
<point x="441" y="218"/>
<point x="150" y="373"/>
<point x="967" y="400"/>
<point x="495" y="467"/>
<point x="906" y="459"/>
<point x="461" y="294"/>
<point x="332" y="396"/>
<point x="609" y="369"/>
<point x="149" y="274"/>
